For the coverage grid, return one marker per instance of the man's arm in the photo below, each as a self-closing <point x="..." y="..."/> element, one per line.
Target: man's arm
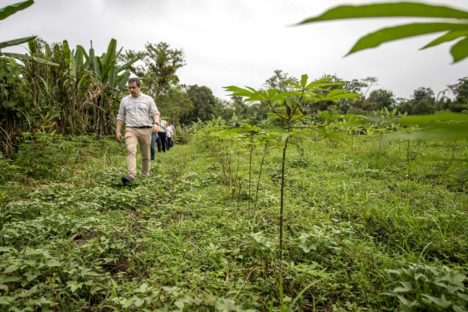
<point x="118" y="134"/>
<point x="120" y="118"/>
<point x="155" y="116"/>
<point x="156" y="122"/>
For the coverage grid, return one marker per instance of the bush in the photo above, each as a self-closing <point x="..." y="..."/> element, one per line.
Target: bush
<point x="182" y="134"/>
<point x="9" y="171"/>
<point x="44" y="156"/>
<point x="53" y="157"/>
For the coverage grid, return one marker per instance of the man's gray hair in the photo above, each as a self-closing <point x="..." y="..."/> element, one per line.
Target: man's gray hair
<point x="134" y="80"/>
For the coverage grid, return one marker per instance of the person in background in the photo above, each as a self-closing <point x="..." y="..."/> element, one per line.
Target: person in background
<point x="169" y="135"/>
<point x="162" y="140"/>
<point x="154" y="139"/>
<point x="141" y="117"/>
<point x="173" y="134"/>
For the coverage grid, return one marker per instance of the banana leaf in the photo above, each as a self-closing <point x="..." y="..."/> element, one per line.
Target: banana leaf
<point x="13" y="8"/>
<point x="26" y="57"/>
<point x="14" y="42"/>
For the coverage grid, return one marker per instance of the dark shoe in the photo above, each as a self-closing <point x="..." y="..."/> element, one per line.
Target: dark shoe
<point x="126" y="180"/>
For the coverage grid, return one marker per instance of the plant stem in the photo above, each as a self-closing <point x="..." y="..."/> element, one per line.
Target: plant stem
<point x="237" y="180"/>
<point x="260" y="175"/>
<point x="250" y="168"/>
<point x="408" y="159"/>
<point x="281" y="218"/>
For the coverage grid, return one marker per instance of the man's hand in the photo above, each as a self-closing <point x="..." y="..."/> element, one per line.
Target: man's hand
<point x="118" y="136"/>
<point x="155" y="128"/>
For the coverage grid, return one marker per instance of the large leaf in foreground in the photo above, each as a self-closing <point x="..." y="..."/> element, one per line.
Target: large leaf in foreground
<point x="456" y="30"/>
<point x="400" y="9"/>
<point x="449" y="36"/>
<point x="403" y="31"/>
<point x="460" y="50"/>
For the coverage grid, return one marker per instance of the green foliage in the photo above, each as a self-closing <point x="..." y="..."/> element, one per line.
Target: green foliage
<point x="13" y="8"/>
<point x="204" y="104"/>
<point x="112" y="78"/>
<point x="460" y="90"/>
<point x="443" y="125"/>
<point x="106" y="67"/>
<point x="422" y="102"/>
<point x="280" y="81"/>
<point x="359" y="216"/>
<point x="381" y="99"/>
<point x="385" y="120"/>
<point x="13" y="103"/>
<point x="79" y="95"/>
<point x="429" y="288"/>
<point x="175" y="104"/>
<point x="10" y="171"/>
<point x="160" y="66"/>
<point x="6" y="12"/>
<point x="52" y="157"/>
<point x="290" y="106"/>
<point x="43" y="157"/>
<point x="453" y="31"/>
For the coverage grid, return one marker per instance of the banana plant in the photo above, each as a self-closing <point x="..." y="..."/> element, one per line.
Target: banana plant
<point x="451" y="22"/>
<point x="106" y="67"/>
<point x="112" y="78"/>
<point x="102" y="79"/>
<point x="6" y="12"/>
<point x="291" y="108"/>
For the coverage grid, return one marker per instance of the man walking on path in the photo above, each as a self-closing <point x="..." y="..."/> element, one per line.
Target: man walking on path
<point x="141" y="117"/>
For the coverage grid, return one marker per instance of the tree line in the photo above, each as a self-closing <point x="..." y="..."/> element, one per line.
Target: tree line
<point x="74" y="91"/>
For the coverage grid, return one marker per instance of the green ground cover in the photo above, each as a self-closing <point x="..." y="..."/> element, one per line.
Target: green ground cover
<point x="374" y="223"/>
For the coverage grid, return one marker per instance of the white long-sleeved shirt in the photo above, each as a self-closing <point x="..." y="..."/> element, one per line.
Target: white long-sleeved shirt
<point x="169" y="131"/>
<point x="137" y="112"/>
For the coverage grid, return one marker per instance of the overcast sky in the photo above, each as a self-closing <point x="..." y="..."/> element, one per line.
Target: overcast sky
<point x="241" y="42"/>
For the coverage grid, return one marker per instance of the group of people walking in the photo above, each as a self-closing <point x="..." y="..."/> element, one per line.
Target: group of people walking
<point x="144" y="128"/>
<point x="163" y="139"/>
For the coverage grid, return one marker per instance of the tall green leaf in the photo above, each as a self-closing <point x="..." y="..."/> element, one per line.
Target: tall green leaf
<point x="26" y="57"/>
<point x="13" y="8"/>
<point x="94" y="64"/>
<point x="127" y="65"/>
<point x="108" y="60"/>
<point x="77" y="60"/>
<point x="92" y="56"/>
<point x="111" y="78"/>
<point x="304" y="80"/>
<point x="14" y="42"/>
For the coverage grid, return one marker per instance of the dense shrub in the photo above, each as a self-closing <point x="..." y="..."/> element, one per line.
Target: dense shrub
<point x="54" y="157"/>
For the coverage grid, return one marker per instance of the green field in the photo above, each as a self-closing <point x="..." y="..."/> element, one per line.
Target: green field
<point x="372" y="223"/>
<point x="314" y="194"/>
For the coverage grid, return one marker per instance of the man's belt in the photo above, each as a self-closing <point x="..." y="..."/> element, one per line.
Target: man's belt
<point x="141" y="127"/>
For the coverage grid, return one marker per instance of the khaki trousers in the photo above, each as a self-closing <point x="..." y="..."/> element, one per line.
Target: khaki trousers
<point x="134" y="137"/>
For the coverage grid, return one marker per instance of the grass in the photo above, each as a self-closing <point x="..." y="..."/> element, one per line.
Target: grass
<point x="183" y="240"/>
